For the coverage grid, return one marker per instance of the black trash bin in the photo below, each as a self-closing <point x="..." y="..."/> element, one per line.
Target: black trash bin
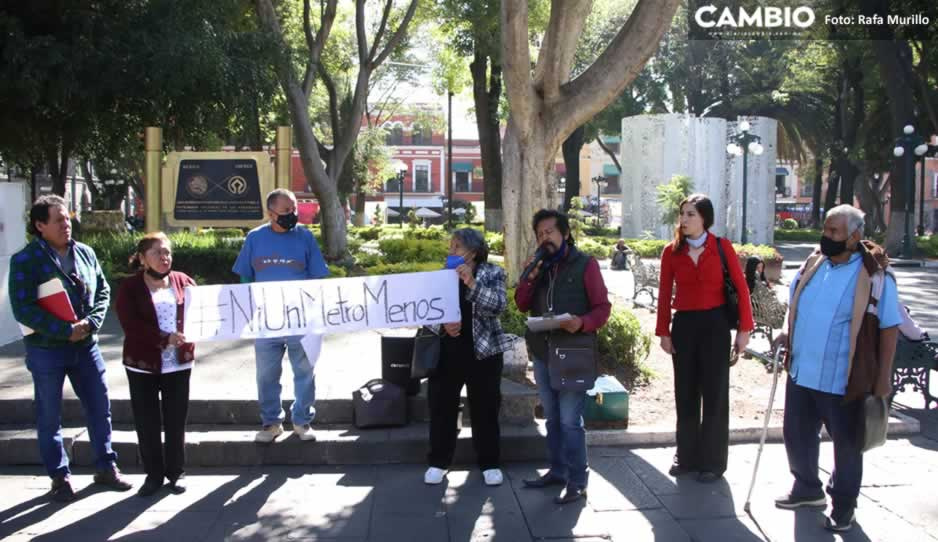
<point x="396" y="356"/>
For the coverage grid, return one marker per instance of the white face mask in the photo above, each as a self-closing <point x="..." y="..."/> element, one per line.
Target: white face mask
<point x="697" y="243"/>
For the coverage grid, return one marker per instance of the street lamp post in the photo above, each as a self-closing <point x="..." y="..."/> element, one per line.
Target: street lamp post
<point x="741" y="144"/>
<point x="600" y="184"/>
<point x="401" y="169"/>
<point x="931" y="152"/>
<point x="907" y="145"/>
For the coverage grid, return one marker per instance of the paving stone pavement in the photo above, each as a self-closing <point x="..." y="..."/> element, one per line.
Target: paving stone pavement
<point x="631" y="498"/>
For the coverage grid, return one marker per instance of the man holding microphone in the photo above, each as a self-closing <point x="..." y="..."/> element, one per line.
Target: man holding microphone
<point x="565" y="280"/>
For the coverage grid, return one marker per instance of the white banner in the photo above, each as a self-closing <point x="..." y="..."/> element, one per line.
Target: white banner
<point x="278" y="309"/>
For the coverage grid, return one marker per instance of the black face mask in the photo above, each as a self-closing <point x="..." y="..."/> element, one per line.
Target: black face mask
<point x="831" y="248"/>
<point x="287" y="221"/>
<point x="157" y="276"/>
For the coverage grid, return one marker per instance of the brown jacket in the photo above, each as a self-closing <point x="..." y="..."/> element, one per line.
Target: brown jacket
<point x="865" y="368"/>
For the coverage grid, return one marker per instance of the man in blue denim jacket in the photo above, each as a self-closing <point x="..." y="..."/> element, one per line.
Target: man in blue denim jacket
<point x="56" y="348"/>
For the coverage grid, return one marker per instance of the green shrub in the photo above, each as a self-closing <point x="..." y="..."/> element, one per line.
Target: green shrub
<point x="413" y="250"/>
<point x="600" y="231"/>
<point x="928" y="245"/>
<point x="402" y="267"/>
<point x="766" y="252"/>
<point x="623" y="345"/>
<point x="789" y="224"/>
<point x="368" y="234"/>
<point x="367" y="259"/>
<point x="651" y="248"/>
<point x="496" y="243"/>
<point x="337" y="271"/>
<point x="594" y="249"/>
<point x="803" y="234"/>
<point x="513" y="321"/>
<point x="433" y="233"/>
<point x="227" y="232"/>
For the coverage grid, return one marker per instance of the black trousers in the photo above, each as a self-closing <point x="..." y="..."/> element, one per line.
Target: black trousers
<point x="701" y="379"/>
<point x="482" y="379"/>
<point x="160" y="402"/>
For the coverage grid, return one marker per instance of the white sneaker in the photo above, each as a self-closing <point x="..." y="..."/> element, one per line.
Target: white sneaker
<point x="269" y="433"/>
<point x="493" y="477"/>
<point x="305" y="432"/>
<point x="433" y="476"/>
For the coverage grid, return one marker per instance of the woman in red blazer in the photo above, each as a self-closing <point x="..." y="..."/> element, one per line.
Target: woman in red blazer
<point x="158" y="359"/>
<point x="699" y="338"/>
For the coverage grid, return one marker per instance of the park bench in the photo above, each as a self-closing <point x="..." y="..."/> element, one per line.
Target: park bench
<point x="914" y="362"/>
<point x="768" y="312"/>
<point x="646" y="277"/>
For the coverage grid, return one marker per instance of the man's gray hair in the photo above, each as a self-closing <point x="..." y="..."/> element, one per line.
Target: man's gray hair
<point x="279" y="193"/>
<point x="855" y="217"/>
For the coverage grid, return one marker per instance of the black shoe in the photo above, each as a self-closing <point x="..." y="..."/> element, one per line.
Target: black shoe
<point x="840" y="522"/>
<point x="678" y="470"/>
<point x="791" y="501"/>
<point x="62" y="489"/>
<point x="178" y="485"/>
<point x="544" y="481"/>
<point x="571" y="494"/>
<point x="707" y="477"/>
<point x="112" y="479"/>
<point x="150" y="486"/>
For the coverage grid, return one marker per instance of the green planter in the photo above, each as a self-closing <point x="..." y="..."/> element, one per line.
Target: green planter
<point x="608" y="401"/>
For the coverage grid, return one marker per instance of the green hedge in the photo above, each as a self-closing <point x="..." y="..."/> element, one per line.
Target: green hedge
<point x="433" y="233"/>
<point x="413" y="250"/>
<point x="799" y="234"/>
<point x="928" y="245"/>
<point x="592" y="248"/>
<point x="789" y="224"/>
<point x="513" y="321"/>
<point x="496" y="243"/>
<point x="623" y="345"/>
<point x="402" y="267"/>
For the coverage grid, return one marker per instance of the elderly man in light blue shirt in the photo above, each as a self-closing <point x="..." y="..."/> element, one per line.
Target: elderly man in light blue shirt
<point x="824" y="321"/>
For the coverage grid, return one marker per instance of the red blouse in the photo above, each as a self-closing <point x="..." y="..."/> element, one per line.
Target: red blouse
<point x="700" y="286"/>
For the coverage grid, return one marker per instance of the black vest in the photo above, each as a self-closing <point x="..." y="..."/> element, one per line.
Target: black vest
<point x="569" y="296"/>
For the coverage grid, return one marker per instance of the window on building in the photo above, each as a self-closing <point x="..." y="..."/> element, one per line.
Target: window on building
<point x="807" y="190"/>
<point x="395" y="135"/>
<point x="421" y="135"/>
<point x="462" y="181"/>
<point x="421" y="178"/>
<point x="392" y="185"/>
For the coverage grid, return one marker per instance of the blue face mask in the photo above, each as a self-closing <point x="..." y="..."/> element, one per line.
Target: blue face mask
<point x="453" y="261"/>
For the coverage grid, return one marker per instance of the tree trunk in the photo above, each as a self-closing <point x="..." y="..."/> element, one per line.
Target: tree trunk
<point x="816" y="193"/>
<point x="486" y="93"/>
<point x="528" y="164"/>
<point x="848" y="175"/>
<point x="359" y="218"/>
<point x="571" y="159"/>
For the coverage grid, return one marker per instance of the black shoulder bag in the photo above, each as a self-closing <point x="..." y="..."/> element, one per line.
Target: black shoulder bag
<point x="732" y="296"/>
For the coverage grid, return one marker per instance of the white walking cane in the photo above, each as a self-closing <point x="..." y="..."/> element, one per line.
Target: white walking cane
<point x="776" y="369"/>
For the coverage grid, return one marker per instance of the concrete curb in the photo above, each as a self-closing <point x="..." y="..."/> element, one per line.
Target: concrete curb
<point x="899" y="425"/>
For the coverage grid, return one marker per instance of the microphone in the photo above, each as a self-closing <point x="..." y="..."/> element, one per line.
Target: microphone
<point x="539" y="256"/>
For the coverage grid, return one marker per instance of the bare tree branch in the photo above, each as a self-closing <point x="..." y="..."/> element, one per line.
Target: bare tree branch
<point x="317" y="43"/>
<point x="617" y="66"/>
<point x="397" y="37"/>
<point x="381" y="28"/>
<point x="516" y="63"/>
<point x="360" y="34"/>
<point x="607" y="150"/>
<point x="555" y="59"/>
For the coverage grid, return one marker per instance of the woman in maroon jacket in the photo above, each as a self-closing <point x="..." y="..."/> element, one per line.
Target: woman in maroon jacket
<point x="158" y="359"/>
<point x="699" y="338"/>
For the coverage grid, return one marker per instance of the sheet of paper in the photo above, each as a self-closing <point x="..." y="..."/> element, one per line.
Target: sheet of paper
<point x="547" y="323"/>
<point x="312" y="345"/>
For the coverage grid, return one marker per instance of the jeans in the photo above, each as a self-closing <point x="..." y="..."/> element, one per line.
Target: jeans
<point x="566" y="434"/>
<point x="160" y="403"/>
<point x="269" y="357"/>
<point x="805" y="411"/>
<point x="84" y="367"/>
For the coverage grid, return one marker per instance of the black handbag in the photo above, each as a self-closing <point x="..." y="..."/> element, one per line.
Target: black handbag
<point x="572" y="361"/>
<point x="379" y="403"/>
<point x="873" y="422"/>
<point x="426" y="353"/>
<point x="732" y="296"/>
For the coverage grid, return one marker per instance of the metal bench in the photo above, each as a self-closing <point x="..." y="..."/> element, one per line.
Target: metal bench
<point x="646" y="277"/>
<point x="913" y="365"/>
<point x="767" y="312"/>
